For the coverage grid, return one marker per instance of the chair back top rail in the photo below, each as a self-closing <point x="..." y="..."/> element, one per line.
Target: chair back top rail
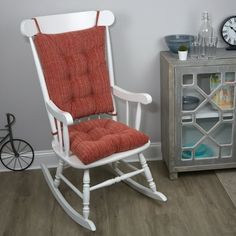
<point x="61" y="23"/>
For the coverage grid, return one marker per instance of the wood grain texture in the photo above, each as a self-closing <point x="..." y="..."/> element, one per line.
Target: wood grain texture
<point x="197" y="205"/>
<point x="228" y="180"/>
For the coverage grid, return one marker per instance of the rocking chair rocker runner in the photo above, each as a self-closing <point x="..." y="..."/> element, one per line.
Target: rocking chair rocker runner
<point x="70" y="52"/>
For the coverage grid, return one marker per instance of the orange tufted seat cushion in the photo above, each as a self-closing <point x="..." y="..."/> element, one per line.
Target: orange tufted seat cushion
<point x="75" y="70"/>
<point x="95" y="139"/>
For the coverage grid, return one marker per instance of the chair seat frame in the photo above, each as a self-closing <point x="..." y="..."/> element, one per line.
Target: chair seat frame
<point x="61" y="142"/>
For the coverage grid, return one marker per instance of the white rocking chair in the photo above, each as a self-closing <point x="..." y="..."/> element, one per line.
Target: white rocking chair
<point x="62" y="120"/>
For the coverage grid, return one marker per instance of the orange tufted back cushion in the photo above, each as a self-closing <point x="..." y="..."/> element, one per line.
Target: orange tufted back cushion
<point x="75" y="70"/>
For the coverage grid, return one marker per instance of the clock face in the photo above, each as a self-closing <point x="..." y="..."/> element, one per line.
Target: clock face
<point x="228" y="30"/>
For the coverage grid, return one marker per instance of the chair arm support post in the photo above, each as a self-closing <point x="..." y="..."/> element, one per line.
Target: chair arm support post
<point x="66" y="119"/>
<point x="62" y="116"/>
<point x="139" y="98"/>
<point x="138" y="116"/>
<point x="143" y="98"/>
<point x="127" y="112"/>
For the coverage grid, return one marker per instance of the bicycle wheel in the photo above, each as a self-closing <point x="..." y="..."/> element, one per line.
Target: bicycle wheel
<point x="19" y="162"/>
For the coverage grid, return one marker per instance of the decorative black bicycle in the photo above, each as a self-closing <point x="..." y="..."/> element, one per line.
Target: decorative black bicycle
<point x="15" y="154"/>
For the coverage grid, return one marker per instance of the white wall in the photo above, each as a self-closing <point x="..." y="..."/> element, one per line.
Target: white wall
<point x="137" y="39"/>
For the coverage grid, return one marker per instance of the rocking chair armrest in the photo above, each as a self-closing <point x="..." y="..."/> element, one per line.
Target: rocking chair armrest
<point x="62" y="116"/>
<point x="143" y="98"/>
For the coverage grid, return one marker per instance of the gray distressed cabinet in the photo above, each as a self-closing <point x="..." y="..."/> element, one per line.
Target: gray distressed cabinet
<point x="198" y="112"/>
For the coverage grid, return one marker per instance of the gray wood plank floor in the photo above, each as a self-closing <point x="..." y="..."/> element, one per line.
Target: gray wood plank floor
<point x="228" y="180"/>
<point x="197" y="205"/>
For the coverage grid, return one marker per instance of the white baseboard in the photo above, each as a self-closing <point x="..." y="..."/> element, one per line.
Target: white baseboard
<point x="49" y="158"/>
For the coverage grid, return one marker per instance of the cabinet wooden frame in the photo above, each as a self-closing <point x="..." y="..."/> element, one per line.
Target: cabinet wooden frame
<point x="172" y="72"/>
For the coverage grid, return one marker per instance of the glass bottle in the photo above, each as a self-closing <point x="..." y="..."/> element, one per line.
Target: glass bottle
<point x="205" y="32"/>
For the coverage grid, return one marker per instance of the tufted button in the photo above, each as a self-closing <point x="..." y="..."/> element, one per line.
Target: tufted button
<point x="72" y="98"/>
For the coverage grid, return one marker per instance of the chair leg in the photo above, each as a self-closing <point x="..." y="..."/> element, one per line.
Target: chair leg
<point x="82" y="220"/>
<point x="148" y="175"/>
<point x="86" y="194"/>
<point x="57" y="180"/>
<point x="147" y="172"/>
<point x="151" y="191"/>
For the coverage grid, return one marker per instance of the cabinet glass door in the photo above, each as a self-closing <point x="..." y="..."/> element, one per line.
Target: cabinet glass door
<point x="206" y="114"/>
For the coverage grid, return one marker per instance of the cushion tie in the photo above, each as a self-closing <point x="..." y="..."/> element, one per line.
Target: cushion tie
<point x="37" y="25"/>
<point x="97" y="17"/>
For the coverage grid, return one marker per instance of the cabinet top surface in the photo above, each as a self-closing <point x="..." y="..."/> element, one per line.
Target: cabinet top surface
<point x="222" y="57"/>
